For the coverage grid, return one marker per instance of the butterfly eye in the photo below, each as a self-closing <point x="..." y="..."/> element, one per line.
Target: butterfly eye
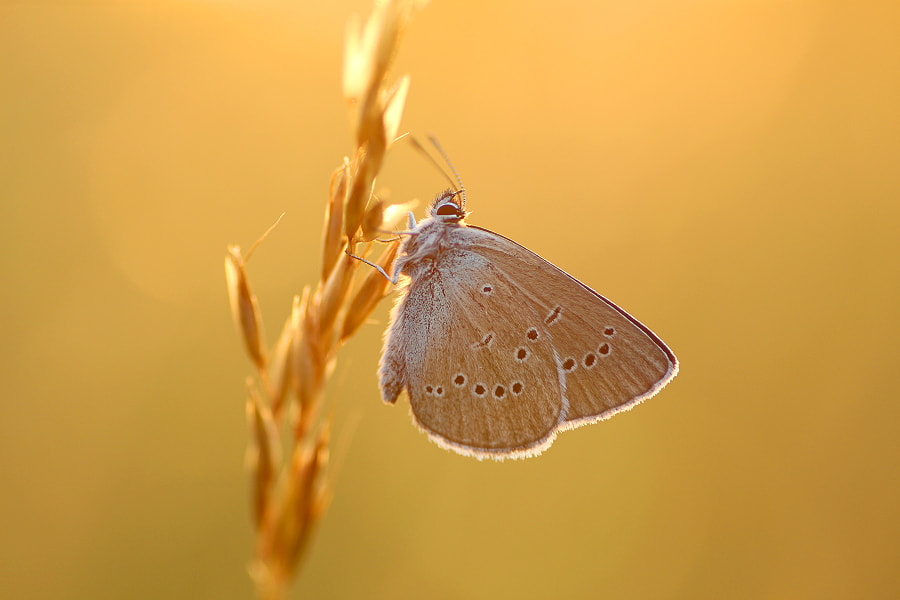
<point x="448" y="209"/>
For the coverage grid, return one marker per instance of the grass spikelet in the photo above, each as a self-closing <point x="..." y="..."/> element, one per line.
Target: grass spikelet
<point x="281" y="373"/>
<point x="263" y="452"/>
<point x="285" y="397"/>
<point x="244" y="307"/>
<point x="333" y="239"/>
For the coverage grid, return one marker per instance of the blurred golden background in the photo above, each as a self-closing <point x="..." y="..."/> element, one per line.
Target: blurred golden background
<point x="725" y="171"/>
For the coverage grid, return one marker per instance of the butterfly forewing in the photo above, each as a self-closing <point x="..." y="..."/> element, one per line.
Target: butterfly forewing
<point x="483" y="387"/>
<point x="609" y="361"/>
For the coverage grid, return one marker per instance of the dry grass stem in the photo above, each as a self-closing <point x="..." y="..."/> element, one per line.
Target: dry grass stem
<point x="285" y="396"/>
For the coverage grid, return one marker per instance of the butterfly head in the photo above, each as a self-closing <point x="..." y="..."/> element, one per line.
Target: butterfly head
<point x="448" y="207"/>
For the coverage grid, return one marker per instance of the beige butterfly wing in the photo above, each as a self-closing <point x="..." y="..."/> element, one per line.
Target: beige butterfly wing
<point x="475" y="385"/>
<point x="498" y="349"/>
<point x="610" y="361"/>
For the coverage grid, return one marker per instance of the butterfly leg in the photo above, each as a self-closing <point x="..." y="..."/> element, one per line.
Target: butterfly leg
<point x="396" y="277"/>
<point x="379" y="268"/>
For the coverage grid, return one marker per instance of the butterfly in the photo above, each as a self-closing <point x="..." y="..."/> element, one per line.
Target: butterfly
<point x="499" y="350"/>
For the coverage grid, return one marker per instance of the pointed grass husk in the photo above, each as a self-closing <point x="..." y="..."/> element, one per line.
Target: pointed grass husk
<point x="244" y="307"/>
<point x="309" y="468"/>
<point x="333" y="238"/>
<point x="372" y="220"/>
<point x="284" y="406"/>
<point x="263" y="452"/>
<point x="365" y="165"/>
<point x="330" y="298"/>
<point x="281" y="365"/>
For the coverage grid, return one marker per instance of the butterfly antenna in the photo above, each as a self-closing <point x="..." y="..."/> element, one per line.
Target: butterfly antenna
<point x="462" y="188"/>
<point x="430" y="158"/>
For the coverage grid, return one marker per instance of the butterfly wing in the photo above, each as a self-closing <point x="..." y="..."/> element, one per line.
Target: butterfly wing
<point x="475" y="384"/>
<point x="498" y="349"/>
<point x="609" y="360"/>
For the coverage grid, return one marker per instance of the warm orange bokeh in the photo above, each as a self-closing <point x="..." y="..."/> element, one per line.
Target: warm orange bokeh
<point x="727" y="172"/>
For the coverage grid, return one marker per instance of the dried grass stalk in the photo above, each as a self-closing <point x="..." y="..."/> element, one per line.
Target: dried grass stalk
<point x="285" y="397"/>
